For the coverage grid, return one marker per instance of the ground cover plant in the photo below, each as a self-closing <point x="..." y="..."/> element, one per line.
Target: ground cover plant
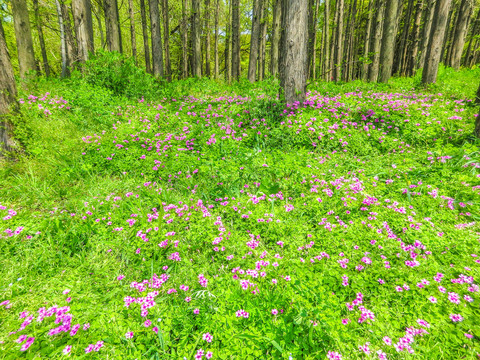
<point x="207" y="221"/>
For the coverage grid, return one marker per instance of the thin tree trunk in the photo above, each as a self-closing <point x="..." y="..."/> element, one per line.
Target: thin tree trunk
<point x="166" y="39"/>
<point x="23" y="35"/>
<point x="311" y="33"/>
<point x="262" y="42"/>
<point x="112" y="26"/>
<point x="72" y="53"/>
<point x="314" y="55"/>
<point x="460" y="33"/>
<point x="63" y="40"/>
<point x="476" y="23"/>
<point x="184" y="40"/>
<point x="447" y="45"/>
<point x="427" y="28"/>
<point x="157" y="48"/>
<point x="388" y="40"/>
<point x="399" y="67"/>
<point x="196" y="39"/>
<point x="375" y="66"/>
<point x="41" y="38"/>
<point x="349" y="42"/>
<point x="146" y="46"/>
<point x="295" y="59"/>
<point x="411" y="61"/>
<point x="99" y="22"/>
<point x="8" y="93"/>
<point x="207" y="39"/>
<point x="326" y="40"/>
<point x="236" y="39"/>
<point x="255" y="34"/>
<point x="366" y="49"/>
<point x="215" y="45"/>
<point x="132" y="30"/>
<point x="437" y="34"/>
<point x="477" y="120"/>
<point x="276" y="34"/>
<point x="82" y="18"/>
<point x="338" y="55"/>
<point x="228" y="45"/>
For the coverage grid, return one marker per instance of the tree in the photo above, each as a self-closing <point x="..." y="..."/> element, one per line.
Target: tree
<point x="112" y="25"/>
<point x="207" y="38"/>
<point x="376" y="42"/>
<point x="184" y="40"/>
<point x="82" y="17"/>
<point x="295" y="60"/>
<point x="196" y="39"/>
<point x="41" y="39"/>
<point x="63" y="40"/>
<point x="8" y="93"/>
<point x="338" y="49"/>
<point x="236" y="39"/>
<point x="157" y="49"/>
<point x="215" y="46"/>
<point x="477" y="121"/>
<point x="252" y="62"/>
<point x="146" y="47"/>
<point x="388" y="40"/>
<point x="427" y="26"/>
<point x="166" y="39"/>
<point x="276" y="34"/>
<point x="434" y="49"/>
<point x="132" y="30"/>
<point x="460" y="33"/>
<point x="326" y="41"/>
<point x="23" y="35"/>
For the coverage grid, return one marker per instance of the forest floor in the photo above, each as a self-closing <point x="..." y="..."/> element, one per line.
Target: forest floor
<point x="213" y="223"/>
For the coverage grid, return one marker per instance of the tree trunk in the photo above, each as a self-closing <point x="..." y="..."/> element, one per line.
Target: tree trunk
<point x="376" y="45"/>
<point x="228" y="45"/>
<point x="236" y="39"/>
<point x="8" y="93"/>
<point x="477" y="120"/>
<point x="276" y="34"/>
<point x="112" y="25"/>
<point x="460" y="33"/>
<point x="296" y="51"/>
<point x="23" y="35"/>
<point x="388" y="40"/>
<point x="196" y="39"/>
<point x="437" y="34"/>
<point x="399" y="66"/>
<point x="326" y="40"/>
<point x="82" y="18"/>
<point x="157" y="48"/>
<point x="72" y="53"/>
<point x="475" y="25"/>
<point x="411" y="61"/>
<point x="262" y="41"/>
<point x="184" y="40"/>
<point x="255" y="35"/>
<point x="63" y="40"/>
<point x="349" y="41"/>
<point x="313" y="50"/>
<point x="447" y="44"/>
<point x="207" y="39"/>
<point x="146" y="47"/>
<point x="132" y="30"/>
<point x="215" y="45"/>
<point x="366" y="49"/>
<point x="166" y="39"/>
<point x="311" y="33"/>
<point x="99" y="22"/>
<point x="41" y="38"/>
<point x="338" y="54"/>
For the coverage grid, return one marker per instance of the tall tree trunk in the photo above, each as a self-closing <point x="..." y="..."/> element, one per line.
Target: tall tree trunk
<point x="72" y="52"/>
<point x="252" y="61"/>
<point x="146" y="46"/>
<point x="349" y="41"/>
<point x="388" y="40"/>
<point x="166" y="39"/>
<point x="296" y="51"/>
<point x="228" y="45"/>
<point x="82" y="18"/>
<point x="366" y="49"/>
<point x="477" y="121"/>
<point x="215" y="45"/>
<point x="311" y="33"/>
<point x="63" y="40"/>
<point x="157" y="48"/>
<point x="207" y="38"/>
<point x="460" y="33"/>
<point x="262" y="41"/>
<point x="96" y="13"/>
<point x="475" y="25"/>
<point x="314" y="57"/>
<point x="276" y="34"/>
<point x="399" y="66"/>
<point x="447" y="44"/>
<point x="376" y="45"/>
<point x="184" y="40"/>
<point x="411" y="61"/>
<point x="8" y="93"/>
<point x="112" y="26"/>
<point x="41" y="38"/>
<point x="427" y="28"/>
<point x="437" y="34"/>
<point x="338" y="54"/>
<point x="326" y="40"/>
<point x="196" y="39"/>
<point x="133" y="40"/>
<point x="236" y="39"/>
<point x="23" y="35"/>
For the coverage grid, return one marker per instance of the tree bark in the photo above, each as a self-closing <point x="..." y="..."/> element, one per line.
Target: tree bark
<point x="184" y="40"/>
<point x="401" y="58"/>
<point x="255" y="34"/>
<point x="434" y="49"/>
<point x="8" y="93"/>
<point x="63" y="40"/>
<point x="236" y="39"/>
<point x="196" y="39"/>
<point x="82" y="19"/>
<point x="460" y="33"/>
<point x="447" y="42"/>
<point x="157" y="48"/>
<point x="366" y="49"/>
<point x="411" y="61"/>
<point x="296" y="52"/>
<point x="338" y="54"/>
<point x="477" y="120"/>
<point x="112" y="25"/>
<point x="262" y="42"/>
<point x="476" y="23"/>
<point x="276" y="34"/>
<point x="215" y="45"/>
<point x="146" y="47"/>
<point x="72" y="52"/>
<point x="427" y="27"/>
<point x="376" y="46"/>
<point x="41" y="39"/>
<point x="132" y="30"/>
<point x="312" y="61"/>
<point x="23" y="35"/>
<point x="326" y="40"/>
<point x="207" y="39"/>
<point x="166" y="39"/>
<point x="388" y="40"/>
<point x="228" y="45"/>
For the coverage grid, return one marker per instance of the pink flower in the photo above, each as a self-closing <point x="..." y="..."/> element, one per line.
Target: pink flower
<point x="333" y="355"/>
<point x="470" y="336"/>
<point x="365" y="348"/>
<point x="423" y="323"/>
<point x="433" y="299"/>
<point x="207" y="337"/>
<point x="98" y="346"/>
<point x="155" y="329"/>
<point x="120" y="277"/>
<point x="66" y="291"/>
<point x="274" y="311"/>
<point x="27" y="344"/>
<point x="345" y="321"/>
<point x="67" y="350"/>
<point x="89" y="348"/>
<point x="209" y="355"/>
<point x="196" y="311"/>
<point x="147" y="323"/>
<point x="129" y="335"/>
<point x="456" y="317"/>
<point x="387" y="340"/>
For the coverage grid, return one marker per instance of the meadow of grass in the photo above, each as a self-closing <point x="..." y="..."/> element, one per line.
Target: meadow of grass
<point x="201" y="220"/>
